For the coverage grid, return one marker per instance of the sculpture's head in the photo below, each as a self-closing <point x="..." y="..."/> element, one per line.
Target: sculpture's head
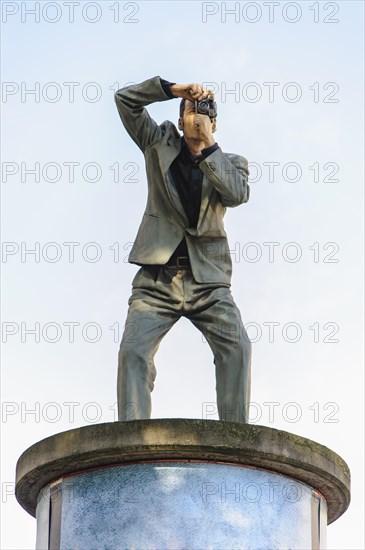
<point x="186" y="118"/>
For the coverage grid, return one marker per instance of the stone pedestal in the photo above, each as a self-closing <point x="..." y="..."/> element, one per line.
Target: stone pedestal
<point x="181" y="483"/>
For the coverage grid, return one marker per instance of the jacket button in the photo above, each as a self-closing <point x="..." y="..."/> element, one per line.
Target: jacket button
<point x="213" y="166"/>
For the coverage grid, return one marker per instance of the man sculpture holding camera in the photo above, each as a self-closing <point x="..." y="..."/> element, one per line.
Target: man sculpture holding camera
<point x="182" y="247"/>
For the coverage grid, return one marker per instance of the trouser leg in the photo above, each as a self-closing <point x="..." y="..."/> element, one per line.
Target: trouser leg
<point x="150" y="316"/>
<point x="222" y="326"/>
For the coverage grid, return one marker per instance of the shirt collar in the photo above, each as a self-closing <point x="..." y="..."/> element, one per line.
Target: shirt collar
<point x="186" y="156"/>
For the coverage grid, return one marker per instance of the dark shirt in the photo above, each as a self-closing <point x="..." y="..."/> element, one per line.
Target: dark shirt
<point x="187" y="177"/>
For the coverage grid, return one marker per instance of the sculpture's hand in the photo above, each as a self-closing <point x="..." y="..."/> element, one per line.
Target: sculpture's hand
<point x="203" y="124"/>
<point x="191" y="91"/>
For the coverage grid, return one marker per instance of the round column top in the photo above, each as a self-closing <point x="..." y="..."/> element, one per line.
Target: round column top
<point x="115" y="443"/>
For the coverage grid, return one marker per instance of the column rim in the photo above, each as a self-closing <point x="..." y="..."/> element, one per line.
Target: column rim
<point x="115" y="443"/>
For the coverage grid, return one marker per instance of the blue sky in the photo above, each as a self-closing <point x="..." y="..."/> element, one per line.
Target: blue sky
<point x="317" y="298"/>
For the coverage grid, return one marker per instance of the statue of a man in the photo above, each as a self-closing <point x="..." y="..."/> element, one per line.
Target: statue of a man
<point x="182" y="247"/>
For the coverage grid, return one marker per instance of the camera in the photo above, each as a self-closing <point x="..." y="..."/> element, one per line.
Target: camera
<point x="206" y="107"/>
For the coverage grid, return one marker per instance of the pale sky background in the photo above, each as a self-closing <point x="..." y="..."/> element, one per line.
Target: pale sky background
<point x="317" y="381"/>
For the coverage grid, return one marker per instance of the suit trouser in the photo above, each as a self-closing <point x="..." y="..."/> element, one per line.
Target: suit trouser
<point x="160" y="296"/>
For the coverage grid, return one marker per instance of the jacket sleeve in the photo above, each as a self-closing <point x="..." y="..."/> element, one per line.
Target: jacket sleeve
<point x="229" y="175"/>
<point x="131" y="102"/>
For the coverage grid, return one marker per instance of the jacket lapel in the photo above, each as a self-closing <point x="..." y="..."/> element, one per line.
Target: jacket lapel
<point x="169" y="155"/>
<point x="207" y="189"/>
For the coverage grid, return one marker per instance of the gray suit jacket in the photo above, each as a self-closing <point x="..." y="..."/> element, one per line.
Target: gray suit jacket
<point x="164" y="222"/>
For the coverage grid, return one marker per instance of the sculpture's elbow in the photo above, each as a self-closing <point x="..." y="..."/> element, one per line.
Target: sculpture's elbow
<point x="239" y="198"/>
<point x="118" y="97"/>
<point x="246" y="193"/>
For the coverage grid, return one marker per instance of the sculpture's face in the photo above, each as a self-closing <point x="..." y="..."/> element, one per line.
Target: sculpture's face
<point x="186" y="123"/>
